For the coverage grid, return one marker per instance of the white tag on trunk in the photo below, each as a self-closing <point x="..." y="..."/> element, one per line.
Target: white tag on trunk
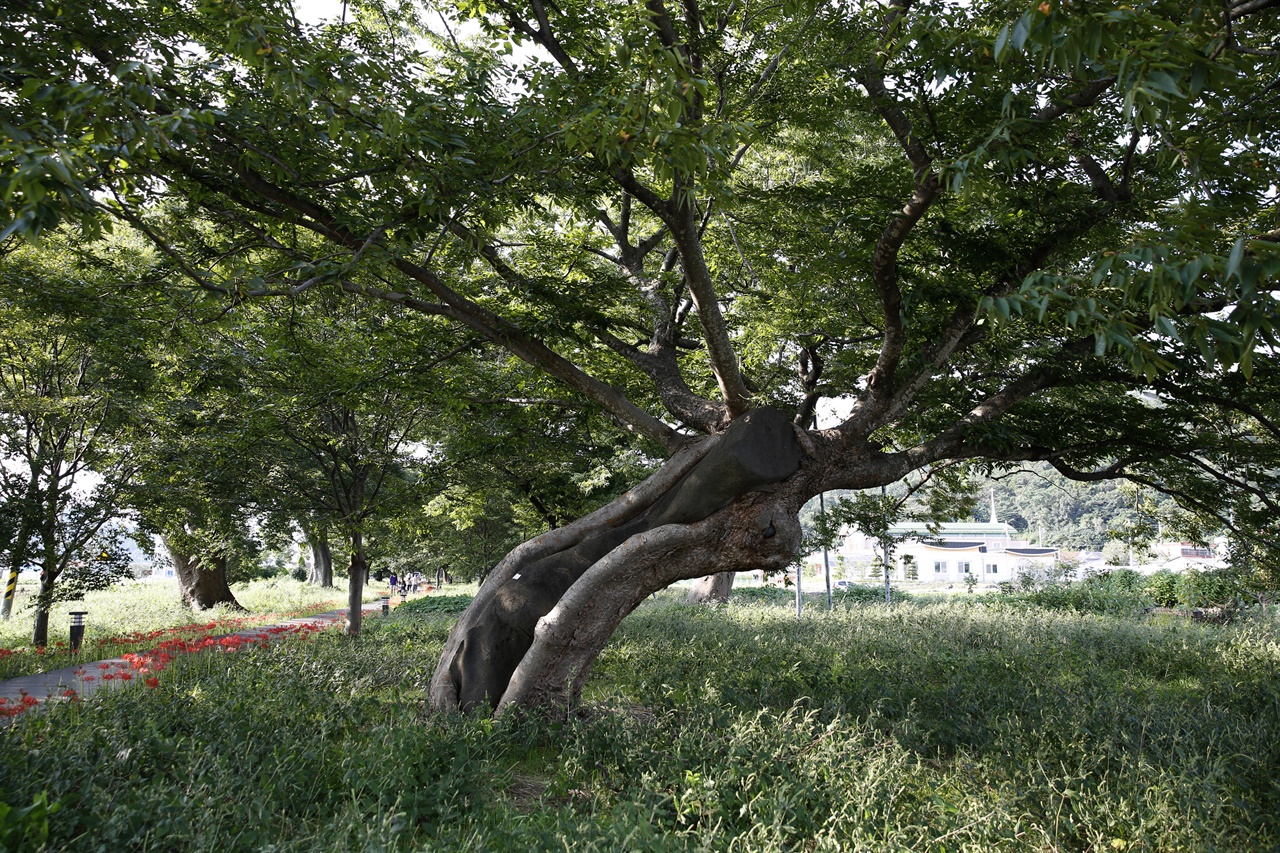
<point x="516" y="576"/>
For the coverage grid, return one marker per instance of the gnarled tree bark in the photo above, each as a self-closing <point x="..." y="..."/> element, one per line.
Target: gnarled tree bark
<point x="202" y="581"/>
<point x="321" y="560"/>
<point x="695" y="516"/>
<point x="713" y="589"/>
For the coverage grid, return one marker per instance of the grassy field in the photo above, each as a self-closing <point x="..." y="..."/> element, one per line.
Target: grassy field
<point x="967" y="724"/>
<point x="136" y="616"/>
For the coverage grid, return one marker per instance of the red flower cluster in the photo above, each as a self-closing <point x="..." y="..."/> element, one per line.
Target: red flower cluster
<point x="226" y="625"/>
<point x="23" y="704"/>
<point x="155" y="660"/>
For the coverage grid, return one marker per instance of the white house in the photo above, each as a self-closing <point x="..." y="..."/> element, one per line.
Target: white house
<point x="990" y="552"/>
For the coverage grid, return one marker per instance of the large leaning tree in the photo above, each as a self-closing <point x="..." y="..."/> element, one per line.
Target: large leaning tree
<point x="1001" y="231"/>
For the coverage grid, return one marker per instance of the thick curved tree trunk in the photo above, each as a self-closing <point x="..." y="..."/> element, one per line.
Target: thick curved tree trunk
<point x="201" y="580"/>
<point x="547" y="609"/>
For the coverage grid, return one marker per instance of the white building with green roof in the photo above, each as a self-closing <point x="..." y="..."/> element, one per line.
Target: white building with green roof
<point x="990" y="552"/>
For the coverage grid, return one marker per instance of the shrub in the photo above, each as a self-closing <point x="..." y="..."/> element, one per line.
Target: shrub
<point x="1209" y="588"/>
<point x="1162" y="587"/>
<point x="869" y="594"/>
<point x="762" y="595"/>
<point x="1119" y="592"/>
<point x="436" y="604"/>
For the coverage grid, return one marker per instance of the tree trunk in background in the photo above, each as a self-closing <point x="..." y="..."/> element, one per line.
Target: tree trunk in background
<point x="713" y="589"/>
<point x="20" y="545"/>
<point x="321" y="555"/>
<point x="355" y="585"/>
<point x="321" y="562"/>
<point x="201" y="580"/>
<point x="40" y="630"/>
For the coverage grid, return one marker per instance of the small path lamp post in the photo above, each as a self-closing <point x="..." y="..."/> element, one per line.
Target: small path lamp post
<point x="386" y="604"/>
<point x="77" y="629"/>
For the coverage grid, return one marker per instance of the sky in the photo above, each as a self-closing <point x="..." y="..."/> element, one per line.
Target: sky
<point x="314" y="11"/>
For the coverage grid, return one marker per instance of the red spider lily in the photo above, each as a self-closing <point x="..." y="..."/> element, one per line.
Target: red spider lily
<point x="152" y="682"/>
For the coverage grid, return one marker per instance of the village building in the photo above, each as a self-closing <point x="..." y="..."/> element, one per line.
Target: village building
<point x="990" y="552"/>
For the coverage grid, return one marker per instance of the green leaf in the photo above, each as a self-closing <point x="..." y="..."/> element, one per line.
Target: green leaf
<point x="1021" y="30"/>
<point x="1234" y="260"/>
<point x="1002" y="39"/>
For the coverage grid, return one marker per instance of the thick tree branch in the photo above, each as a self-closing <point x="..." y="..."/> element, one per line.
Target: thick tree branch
<point x="489" y="325"/>
<point x="683" y="222"/>
<point x="1046" y="375"/>
<point x="1087" y="96"/>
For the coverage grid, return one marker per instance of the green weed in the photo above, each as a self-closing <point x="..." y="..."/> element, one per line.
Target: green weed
<point x="936" y="726"/>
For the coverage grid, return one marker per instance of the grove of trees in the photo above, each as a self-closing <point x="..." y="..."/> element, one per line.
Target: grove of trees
<point x="1003" y="232"/>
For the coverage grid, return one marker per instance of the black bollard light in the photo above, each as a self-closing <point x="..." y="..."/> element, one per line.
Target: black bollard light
<point x="77" y="629"/>
<point x="386" y="604"/>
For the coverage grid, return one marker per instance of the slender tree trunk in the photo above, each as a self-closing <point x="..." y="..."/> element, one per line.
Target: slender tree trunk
<point x="202" y="581"/>
<point x="50" y="568"/>
<point x="10" y="590"/>
<point x="40" y="629"/>
<point x="20" y="546"/>
<point x="355" y="585"/>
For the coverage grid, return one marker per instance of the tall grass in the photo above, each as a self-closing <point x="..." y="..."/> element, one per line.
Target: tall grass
<point x="932" y="726"/>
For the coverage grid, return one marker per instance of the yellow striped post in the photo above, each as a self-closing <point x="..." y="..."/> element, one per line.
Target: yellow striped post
<point x="9" y="590"/>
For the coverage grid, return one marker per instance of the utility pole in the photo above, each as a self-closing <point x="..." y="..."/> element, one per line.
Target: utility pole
<point x="826" y="563"/>
<point x="884" y="548"/>
<point x="822" y="513"/>
<point x="799" y="584"/>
